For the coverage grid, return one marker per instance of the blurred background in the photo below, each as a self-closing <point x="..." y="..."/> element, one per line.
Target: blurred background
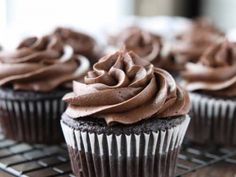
<point x="25" y="17"/>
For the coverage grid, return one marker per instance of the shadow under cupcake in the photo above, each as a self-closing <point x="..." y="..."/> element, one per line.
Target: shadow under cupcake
<point x="33" y="79"/>
<point x="128" y="119"/>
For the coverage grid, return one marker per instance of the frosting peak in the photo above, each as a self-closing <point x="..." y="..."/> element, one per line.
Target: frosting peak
<point x="143" y="43"/>
<point x="220" y="55"/>
<point x="191" y="44"/>
<point x="124" y="88"/>
<point x="81" y="43"/>
<point x="215" y="72"/>
<point x="41" y="64"/>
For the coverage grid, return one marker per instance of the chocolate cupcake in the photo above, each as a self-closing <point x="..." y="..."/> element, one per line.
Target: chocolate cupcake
<point x="212" y="83"/>
<point x="191" y="44"/>
<point x="128" y="119"/>
<point x="82" y="43"/>
<point x="33" y="79"/>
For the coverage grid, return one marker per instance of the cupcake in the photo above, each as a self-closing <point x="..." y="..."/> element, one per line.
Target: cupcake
<point x="33" y="79"/>
<point x="191" y="44"/>
<point x="82" y="44"/>
<point x="128" y="119"/>
<point x="212" y="83"/>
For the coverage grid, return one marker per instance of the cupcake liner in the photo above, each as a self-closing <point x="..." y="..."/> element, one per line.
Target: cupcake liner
<point x="151" y="154"/>
<point x="32" y="119"/>
<point x="213" y="120"/>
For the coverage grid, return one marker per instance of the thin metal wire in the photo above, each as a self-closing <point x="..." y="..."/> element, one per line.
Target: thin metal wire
<point x="20" y="159"/>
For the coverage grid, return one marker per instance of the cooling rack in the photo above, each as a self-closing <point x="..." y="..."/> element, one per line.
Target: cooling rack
<point x="20" y="159"/>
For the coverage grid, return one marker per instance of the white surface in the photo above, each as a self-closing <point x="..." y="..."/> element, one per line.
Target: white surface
<point x="21" y="18"/>
<point x="222" y="12"/>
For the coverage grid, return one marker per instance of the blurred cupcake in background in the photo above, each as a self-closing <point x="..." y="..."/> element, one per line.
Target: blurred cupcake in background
<point x="33" y="79"/>
<point x="82" y="44"/>
<point x="150" y="47"/>
<point x="129" y="118"/>
<point x="191" y="43"/>
<point x="212" y="85"/>
<point x="141" y="42"/>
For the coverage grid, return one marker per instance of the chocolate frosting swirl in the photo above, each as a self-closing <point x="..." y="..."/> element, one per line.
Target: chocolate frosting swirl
<point x="41" y="64"/>
<point x="126" y="89"/>
<point x="143" y="43"/>
<point x="82" y="43"/>
<point x="215" y="73"/>
<point x="191" y="44"/>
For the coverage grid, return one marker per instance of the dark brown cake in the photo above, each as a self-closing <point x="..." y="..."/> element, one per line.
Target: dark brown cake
<point x="99" y="126"/>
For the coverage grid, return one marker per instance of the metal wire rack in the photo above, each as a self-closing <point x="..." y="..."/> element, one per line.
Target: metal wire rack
<point x="193" y="158"/>
<point x="20" y="159"/>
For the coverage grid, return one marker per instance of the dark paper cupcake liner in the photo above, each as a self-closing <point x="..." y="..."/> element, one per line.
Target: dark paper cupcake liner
<point x="213" y="120"/>
<point x="151" y="154"/>
<point x="33" y="117"/>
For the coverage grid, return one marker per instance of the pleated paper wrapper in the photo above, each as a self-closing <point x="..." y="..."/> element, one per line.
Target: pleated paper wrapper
<point x="32" y="120"/>
<point x="151" y="154"/>
<point x="213" y="120"/>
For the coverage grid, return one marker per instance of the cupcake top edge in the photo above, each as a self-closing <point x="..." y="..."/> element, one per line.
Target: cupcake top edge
<point x="126" y="89"/>
<point x="41" y="64"/>
<point x="215" y="73"/>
